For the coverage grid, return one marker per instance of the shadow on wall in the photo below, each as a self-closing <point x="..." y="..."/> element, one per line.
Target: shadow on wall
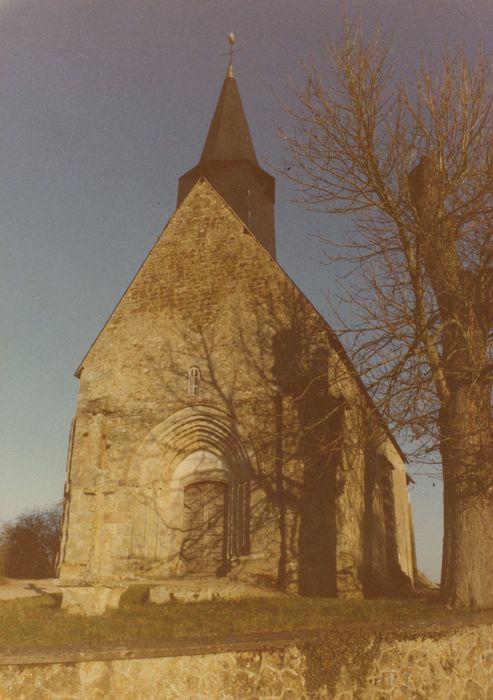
<point x="246" y="388"/>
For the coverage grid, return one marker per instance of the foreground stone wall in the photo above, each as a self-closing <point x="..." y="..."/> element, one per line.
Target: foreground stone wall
<point x="439" y="664"/>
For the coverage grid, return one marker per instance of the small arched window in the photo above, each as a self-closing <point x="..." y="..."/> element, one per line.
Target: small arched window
<point x="193" y="381"/>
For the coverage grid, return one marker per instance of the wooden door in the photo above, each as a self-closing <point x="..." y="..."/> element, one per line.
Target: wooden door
<point x="204" y="523"/>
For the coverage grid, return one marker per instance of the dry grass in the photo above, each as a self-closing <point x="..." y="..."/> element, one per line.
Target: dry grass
<point x="39" y="621"/>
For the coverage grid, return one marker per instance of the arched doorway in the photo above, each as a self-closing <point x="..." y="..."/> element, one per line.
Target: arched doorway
<point x="205" y="480"/>
<point x="215" y="513"/>
<point x="172" y="525"/>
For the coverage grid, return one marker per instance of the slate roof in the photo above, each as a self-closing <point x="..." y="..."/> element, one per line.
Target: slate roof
<point x="229" y="137"/>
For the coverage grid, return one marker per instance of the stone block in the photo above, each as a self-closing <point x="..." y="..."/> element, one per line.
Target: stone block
<point x="90" y="600"/>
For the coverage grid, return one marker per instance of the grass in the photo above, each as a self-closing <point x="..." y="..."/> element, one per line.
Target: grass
<point x="39" y="621"/>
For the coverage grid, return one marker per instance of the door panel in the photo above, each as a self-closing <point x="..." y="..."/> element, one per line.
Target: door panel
<point x="204" y="523"/>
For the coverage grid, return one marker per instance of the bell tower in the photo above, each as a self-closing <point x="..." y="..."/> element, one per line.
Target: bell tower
<point x="229" y="163"/>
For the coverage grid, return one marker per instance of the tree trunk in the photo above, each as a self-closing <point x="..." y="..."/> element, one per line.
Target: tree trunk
<point x="466" y="447"/>
<point x="281" y="582"/>
<point x="465" y="419"/>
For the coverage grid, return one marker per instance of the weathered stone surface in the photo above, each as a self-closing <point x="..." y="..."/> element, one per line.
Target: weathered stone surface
<point x="452" y="665"/>
<point x="90" y="600"/>
<point x="192" y="590"/>
<point x="266" y="422"/>
<point x="194" y="678"/>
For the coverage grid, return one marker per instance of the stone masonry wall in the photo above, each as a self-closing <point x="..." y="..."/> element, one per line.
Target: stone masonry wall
<point x="443" y="666"/>
<point x="209" y="296"/>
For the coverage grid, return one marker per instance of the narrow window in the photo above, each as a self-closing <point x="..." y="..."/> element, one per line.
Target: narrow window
<point x="193" y="381"/>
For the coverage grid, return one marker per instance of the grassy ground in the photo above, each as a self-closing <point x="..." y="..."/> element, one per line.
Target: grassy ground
<point x="38" y="621"/>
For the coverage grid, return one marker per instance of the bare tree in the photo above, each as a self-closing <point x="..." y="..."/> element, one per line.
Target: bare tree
<point x="412" y="164"/>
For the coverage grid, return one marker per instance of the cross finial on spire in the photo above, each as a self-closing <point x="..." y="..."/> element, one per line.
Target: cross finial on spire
<point x="231" y="39"/>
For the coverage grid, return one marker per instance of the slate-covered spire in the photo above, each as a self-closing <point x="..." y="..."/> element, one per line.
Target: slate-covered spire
<point x="229" y="136"/>
<point x="229" y="163"/>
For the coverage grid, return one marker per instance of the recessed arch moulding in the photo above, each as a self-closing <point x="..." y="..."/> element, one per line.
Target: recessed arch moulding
<point x="139" y="533"/>
<point x="197" y="444"/>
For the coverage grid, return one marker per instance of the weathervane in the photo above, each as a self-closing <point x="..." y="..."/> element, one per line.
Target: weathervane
<point x="231" y="39"/>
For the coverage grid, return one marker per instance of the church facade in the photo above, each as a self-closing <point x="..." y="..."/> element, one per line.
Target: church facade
<point x="221" y="431"/>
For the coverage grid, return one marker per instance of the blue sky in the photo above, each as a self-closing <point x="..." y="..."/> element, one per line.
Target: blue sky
<point x="103" y="105"/>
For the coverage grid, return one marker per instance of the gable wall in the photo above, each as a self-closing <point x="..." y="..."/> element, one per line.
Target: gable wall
<point x="209" y="296"/>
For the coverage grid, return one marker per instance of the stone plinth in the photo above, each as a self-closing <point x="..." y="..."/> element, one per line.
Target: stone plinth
<point x="205" y="589"/>
<point x="90" y="600"/>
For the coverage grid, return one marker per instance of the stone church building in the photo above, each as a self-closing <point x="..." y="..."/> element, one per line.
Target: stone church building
<point x="222" y="437"/>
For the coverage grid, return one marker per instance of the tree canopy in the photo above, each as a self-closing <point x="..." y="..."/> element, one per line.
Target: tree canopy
<point x="30" y="543"/>
<point x="411" y="162"/>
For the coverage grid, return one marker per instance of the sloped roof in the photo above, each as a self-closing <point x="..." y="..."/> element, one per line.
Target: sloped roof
<point x="229" y="137"/>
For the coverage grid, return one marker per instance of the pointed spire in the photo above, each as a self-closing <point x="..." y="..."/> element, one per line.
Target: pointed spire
<point x="229" y="136"/>
<point x="229" y="163"/>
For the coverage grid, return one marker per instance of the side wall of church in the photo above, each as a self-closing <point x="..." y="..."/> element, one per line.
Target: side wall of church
<point x="208" y="296"/>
